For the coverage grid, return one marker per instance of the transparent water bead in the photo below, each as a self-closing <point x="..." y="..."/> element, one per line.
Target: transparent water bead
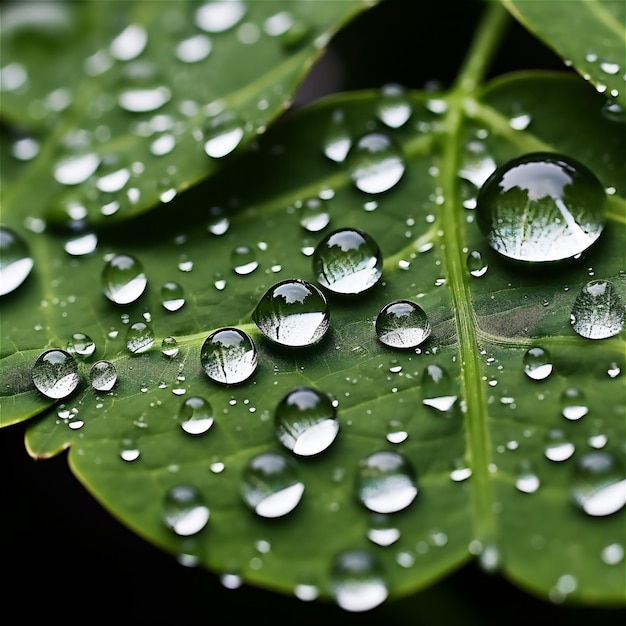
<point x="123" y="279"/>
<point x="76" y="168"/>
<point x="55" y="373"/>
<point x="476" y="264"/>
<point x="172" y="296"/>
<point x="195" y="415"/>
<point x="573" y="404"/>
<point x="527" y="481"/>
<point x="537" y="363"/>
<point x="130" y="43"/>
<point x="382" y="531"/>
<point x="402" y="324"/>
<point x="243" y="259"/>
<point x="15" y="260"/>
<point x="357" y="582"/>
<point x="599" y="484"/>
<point x="438" y="388"/>
<point x="347" y="261"/>
<point x="224" y="133"/>
<point x="386" y="482"/>
<point x="81" y="345"/>
<point x="541" y="207"/>
<point x="144" y="99"/>
<point x="598" y="311"/>
<point x="558" y="447"/>
<point x="139" y="337"/>
<point x="337" y="139"/>
<point x="218" y="16"/>
<point x="293" y="313"/>
<point x="394" y="108"/>
<point x="185" y="511"/>
<point x="271" y="485"/>
<point x="169" y="347"/>
<point x="375" y="162"/>
<point x="194" y="49"/>
<point x="314" y="215"/>
<point x="306" y="421"/>
<point x="228" y="356"/>
<point x="103" y="375"/>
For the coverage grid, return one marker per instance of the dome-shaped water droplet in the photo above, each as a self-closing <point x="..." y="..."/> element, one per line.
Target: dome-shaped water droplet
<point x="172" y="296"/>
<point x="356" y="581"/>
<point x="243" y="260"/>
<point x="128" y="450"/>
<point x="144" y="99"/>
<point x="337" y="140"/>
<point x="218" y="16"/>
<point x="476" y="264"/>
<point x="573" y="404"/>
<point x="103" y="375"/>
<point x="169" y="347"/>
<point x="541" y="207"/>
<point x="598" y="311"/>
<point x="382" y="531"/>
<point x="386" y="482"/>
<point x="130" y="43"/>
<point x="228" y="356"/>
<point x="193" y="49"/>
<point x="75" y="169"/>
<point x="81" y="244"/>
<point x="15" y="260"/>
<point x="537" y="363"/>
<point x="394" y="108"/>
<point x="347" y="261"/>
<point x="306" y="421"/>
<point x="402" y="324"/>
<point x="293" y="313"/>
<point x="185" y="511"/>
<point x="558" y="446"/>
<point x="376" y="163"/>
<point x="614" y="112"/>
<point x="224" y="133"/>
<point x="81" y="345"/>
<point x="438" y="388"/>
<point x="123" y="279"/>
<point x="599" y="484"/>
<point x="139" y="337"/>
<point x="314" y="215"/>
<point x="55" y="373"/>
<point x="271" y="484"/>
<point x="527" y="481"/>
<point x="195" y="415"/>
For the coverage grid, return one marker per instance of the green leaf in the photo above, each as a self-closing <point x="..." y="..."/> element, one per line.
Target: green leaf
<point x="590" y="36"/>
<point x="144" y="89"/>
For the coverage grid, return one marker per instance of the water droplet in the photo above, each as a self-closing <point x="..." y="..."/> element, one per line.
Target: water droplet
<point x="558" y="447"/>
<point x="185" y="511"/>
<point x="144" y="99"/>
<point x="381" y="531"/>
<point x="139" y="337"/>
<point x="614" y="112"/>
<point x="520" y="121"/>
<point x="598" y="311"/>
<point x="394" y="108"/>
<point x="243" y="259"/>
<point x="438" y="388"/>
<point x="172" y="296"/>
<point x="541" y="207"/>
<point x="337" y="140"/>
<point x="223" y="135"/>
<point x="15" y="260"/>
<point x="527" y="481"/>
<point x="613" y="554"/>
<point x="386" y="482"/>
<point x="314" y="215"/>
<point x="129" y="451"/>
<point x="476" y="264"/>
<point x="599" y="484"/>
<point x="376" y="163"/>
<point x="103" y="375"/>
<point x="293" y="313"/>
<point x="356" y="581"/>
<point x="228" y="356"/>
<point x="347" y="261"/>
<point x="169" y="347"/>
<point x="271" y="486"/>
<point x="537" y="363"/>
<point x="76" y="168"/>
<point x="219" y="226"/>
<point x="81" y="244"/>
<point x="402" y="324"/>
<point x="193" y="49"/>
<point x="573" y="405"/>
<point x="55" y="373"/>
<point x="130" y="43"/>
<point x="306" y="421"/>
<point x="195" y="415"/>
<point x="219" y="15"/>
<point x="123" y="279"/>
<point x="81" y="345"/>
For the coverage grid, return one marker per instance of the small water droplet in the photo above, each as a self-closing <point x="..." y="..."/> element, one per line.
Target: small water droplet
<point x="55" y="373"/>
<point x="185" y="511"/>
<point x="347" y="261"/>
<point x="123" y="279"/>
<point x="306" y="592"/>
<point x="573" y="404"/>
<point x="219" y="15"/>
<point x="438" y="388"/>
<point x="76" y="168"/>
<point x="130" y="43"/>
<point x="376" y="163"/>
<point x="129" y="451"/>
<point x="598" y="312"/>
<point x="613" y="554"/>
<point x="394" y="108"/>
<point x="306" y="421"/>
<point x="293" y="313"/>
<point x="537" y="363"/>
<point x="558" y="447"/>
<point x="337" y="140"/>
<point x="228" y="356"/>
<point x="599" y="484"/>
<point x="172" y="296"/>
<point x="81" y="345"/>
<point x="243" y="259"/>
<point x="402" y="324"/>
<point x="541" y="207"/>
<point x="139" y="337"/>
<point x="113" y="181"/>
<point x="15" y="260"/>
<point x="195" y="415"/>
<point x="219" y="226"/>
<point x="476" y="264"/>
<point x="614" y="112"/>
<point x="520" y="121"/>
<point x="103" y="375"/>
<point x="314" y="215"/>
<point x="169" y="347"/>
<point x="386" y="482"/>
<point x="144" y="99"/>
<point x="194" y="49"/>
<point x="271" y="486"/>
<point x="527" y="481"/>
<point x="381" y="530"/>
<point x="224" y="133"/>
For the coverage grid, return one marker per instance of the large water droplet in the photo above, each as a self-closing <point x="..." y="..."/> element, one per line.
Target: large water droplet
<point x="81" y="345"/>
<point x="55" y="373"/>
<point x="271" y="485"/>
<point x="438" y="388"/>
<point x="76" y="169"/>
<point x="573" y="404"/>
<point x="356" y="581"/>
<point x="402" y="324"/>
<point x="103" y="375"/>
<point x="537" y="363"/>
<point x="139" y="337"/>
<point x="223" y="135"/>
<point x="293" y="313"/>
<point x="394" y="108"/>
<point x="376" y="163"/>
<point x="386" y="482"/>
<point x="195" y="415"/>
<point x="228" y="356"/>
<point x="306" y="421"/>
<point x="598" y="311"/>
<point x="219" y="15"/>
<point x="172" y="296"/>
<point x="476" y="264"/>
<point x="541" y="207"/>
<point x="123" y="279"/>
<point x="243" y="259"/>
<point x="599" y="484"/>
<point x="337" y="140"/>
<point x="347" y="261"/>
<point x="15" y="260"/>
<point x="185" y="511"/>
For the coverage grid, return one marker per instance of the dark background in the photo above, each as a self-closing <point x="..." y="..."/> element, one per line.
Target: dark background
<point x="62" y="556"/>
